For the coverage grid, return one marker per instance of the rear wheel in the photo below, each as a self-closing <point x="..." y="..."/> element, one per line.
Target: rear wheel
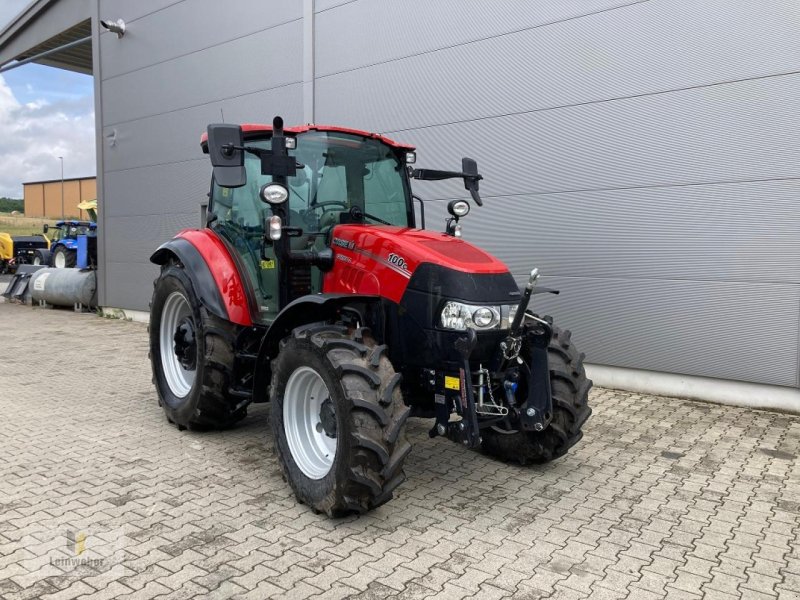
<point x="64" y="258"/>
<point x="191" y="353"/>
<point x="338" y="419"/>
<point x="569" y="389"/>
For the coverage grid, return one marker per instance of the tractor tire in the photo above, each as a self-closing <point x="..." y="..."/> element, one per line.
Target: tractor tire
<point x="569" y="388"/>
<point x="193" y="379"/>
<point x="63" y="258"/>
<point x="41" y="257"/>
<point x="338" y="419"/>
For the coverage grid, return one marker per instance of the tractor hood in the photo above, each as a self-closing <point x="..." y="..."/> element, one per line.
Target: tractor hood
<point x="383" y="260"/>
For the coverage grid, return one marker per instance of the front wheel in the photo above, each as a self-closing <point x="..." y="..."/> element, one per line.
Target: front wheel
<point x="41" y="257"/>
<point x="569" y="388"/>
<point x="191" y="353"/>
<point x="338" y="419"/>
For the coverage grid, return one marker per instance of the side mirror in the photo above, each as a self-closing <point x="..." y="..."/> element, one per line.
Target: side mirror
<point x="470" y="169"/>
<point x="45" y="228"/>
<point x="227" y="156"/>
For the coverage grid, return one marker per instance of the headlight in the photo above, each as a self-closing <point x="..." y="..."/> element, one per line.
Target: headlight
<point x="460" y="316"/>
<point x="483" y="317"/>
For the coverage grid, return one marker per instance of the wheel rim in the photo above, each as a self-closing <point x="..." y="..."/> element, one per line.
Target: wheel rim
<point x="37" y="260"/>
<point x="310" y="422"/>
<point x="176" y="353"/>
<point x="60" y="261"/>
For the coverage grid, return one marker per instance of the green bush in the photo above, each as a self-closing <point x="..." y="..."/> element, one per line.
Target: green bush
<point x="8" y="205"/>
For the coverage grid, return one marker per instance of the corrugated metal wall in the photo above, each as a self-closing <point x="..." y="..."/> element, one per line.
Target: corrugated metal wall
<point x="178" y="66"/>
<point x="643" y="153"/>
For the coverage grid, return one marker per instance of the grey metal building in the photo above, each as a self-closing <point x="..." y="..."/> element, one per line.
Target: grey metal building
<point x="642" y="153"/>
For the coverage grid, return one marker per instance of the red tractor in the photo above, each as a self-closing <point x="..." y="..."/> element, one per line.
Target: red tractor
<point x="313" y="288"/>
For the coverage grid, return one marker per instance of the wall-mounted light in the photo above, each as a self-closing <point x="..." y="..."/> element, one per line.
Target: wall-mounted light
<point x="117" y="27"/>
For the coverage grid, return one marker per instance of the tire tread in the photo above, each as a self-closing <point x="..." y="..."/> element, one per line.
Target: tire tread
<point x="377" y="417"/>
<point x="570" y="390"/>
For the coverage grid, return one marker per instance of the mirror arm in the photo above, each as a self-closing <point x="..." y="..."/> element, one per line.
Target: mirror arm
<point x="227" y="149"/>
<point x="470" y="180"/>
<point x="434" y="175"/>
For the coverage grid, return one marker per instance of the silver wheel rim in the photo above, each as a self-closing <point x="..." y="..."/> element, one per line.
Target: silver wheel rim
<point x="179" y="380"/>
<point x="37" y="261"/>
<point x="60" y="261"/>
<point x="312" y="449"/>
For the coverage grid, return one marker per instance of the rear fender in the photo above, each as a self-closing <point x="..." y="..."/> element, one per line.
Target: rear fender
<point x="213" y="273"/>
<point x="314" y="308"/>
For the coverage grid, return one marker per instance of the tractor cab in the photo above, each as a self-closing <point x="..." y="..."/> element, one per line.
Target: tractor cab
<point x="277" y="194"/>
<point x="334" y="176"/>
<point x="69" y="230"/>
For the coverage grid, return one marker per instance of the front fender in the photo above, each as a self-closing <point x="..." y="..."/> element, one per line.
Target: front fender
<point x="313" y="308"/>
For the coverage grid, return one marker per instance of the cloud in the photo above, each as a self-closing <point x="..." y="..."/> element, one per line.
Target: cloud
<point x="35" y="133"/>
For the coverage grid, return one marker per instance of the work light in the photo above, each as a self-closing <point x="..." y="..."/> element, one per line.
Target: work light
<point x="274" y="193"/>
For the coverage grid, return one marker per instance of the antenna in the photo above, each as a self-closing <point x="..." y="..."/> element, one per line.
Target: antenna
<point x="221" y="114"/>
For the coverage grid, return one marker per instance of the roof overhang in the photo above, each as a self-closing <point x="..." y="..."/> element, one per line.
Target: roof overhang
<point x="256" y="128"/>
<point x="45" y="25"/>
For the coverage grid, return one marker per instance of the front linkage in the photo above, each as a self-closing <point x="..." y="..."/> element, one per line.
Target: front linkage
<point x="535" y="413"/>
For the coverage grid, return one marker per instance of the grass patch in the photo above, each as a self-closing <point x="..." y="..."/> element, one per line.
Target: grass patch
<point x="22" y="225"/>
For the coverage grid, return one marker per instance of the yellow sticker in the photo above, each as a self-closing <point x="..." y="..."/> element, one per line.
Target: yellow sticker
<point x="267" y="264"/>
<point x="452" y="383"/>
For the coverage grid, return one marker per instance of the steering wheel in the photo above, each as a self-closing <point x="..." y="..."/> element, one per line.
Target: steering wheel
<point x="339" y="203"/>
<point x="315" y="222"/>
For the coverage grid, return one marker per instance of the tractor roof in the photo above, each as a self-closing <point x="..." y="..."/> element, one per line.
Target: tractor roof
<point x="76" y="223"/>
<point x="255" y="128"/>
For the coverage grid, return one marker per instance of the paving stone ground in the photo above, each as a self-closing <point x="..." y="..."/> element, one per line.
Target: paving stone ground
<point x="101" y="498"/>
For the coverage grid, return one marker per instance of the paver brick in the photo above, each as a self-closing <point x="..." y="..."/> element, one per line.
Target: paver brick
<point x="648" y="505"/>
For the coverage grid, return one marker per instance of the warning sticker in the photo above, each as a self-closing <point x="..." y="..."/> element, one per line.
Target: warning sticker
<point x="267" y="264"/>
<point x="38" y="285"/>
<point x="452" y="383"/>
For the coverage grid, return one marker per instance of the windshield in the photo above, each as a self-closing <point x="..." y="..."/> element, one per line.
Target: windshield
<point x="68" y="230"/>
<point x="76" y="230"/>
<point x="341" y="171"/>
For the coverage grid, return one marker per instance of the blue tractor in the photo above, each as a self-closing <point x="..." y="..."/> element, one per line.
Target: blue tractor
<point x="64" y="241"/>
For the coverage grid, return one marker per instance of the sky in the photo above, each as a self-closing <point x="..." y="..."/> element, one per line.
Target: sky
<point x="44" y="113"/>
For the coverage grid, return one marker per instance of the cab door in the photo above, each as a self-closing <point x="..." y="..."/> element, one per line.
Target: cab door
<point x="240" y="217"/>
